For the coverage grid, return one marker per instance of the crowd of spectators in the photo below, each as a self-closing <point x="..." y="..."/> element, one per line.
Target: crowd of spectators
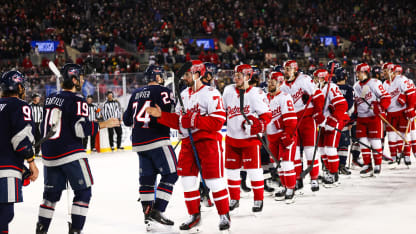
<point x="243" y="31"/>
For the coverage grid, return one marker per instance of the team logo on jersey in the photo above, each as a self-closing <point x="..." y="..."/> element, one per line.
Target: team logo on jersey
<point x="276" y="112"/>
<point x="298" y="95"/>
<point x="194" y="109"/>
<point x="395" y="92"/>
<point x="235" y="111"/>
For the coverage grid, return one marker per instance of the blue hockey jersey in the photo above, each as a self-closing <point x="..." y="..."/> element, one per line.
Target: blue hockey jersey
<point x="73" y="125"/>
<point x="147" y="134"/>
<point x="16" y="136"/>
<point x="348" y="93"/>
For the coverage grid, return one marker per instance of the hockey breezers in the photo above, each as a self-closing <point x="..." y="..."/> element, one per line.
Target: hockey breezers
<point x="266" y="147"/>
<point x="186" y="66"/>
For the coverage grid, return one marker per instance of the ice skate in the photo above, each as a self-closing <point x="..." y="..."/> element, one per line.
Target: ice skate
<point x="407" y="161"/>
<point x="314" y="185"/>
<point x="158" y="216"/>
<point x="234" y="204"/>
<point x="257" y="206"/>
<point x="191" y="225"/>
<point x="343" y="170"/>
<point x="330" y="180"/>
<point x="377" y="169"/>
<point x="225" y="222"/>
<point x="40" y="229"/>
<point x="73" y="230"/>
<point x="244" y="187"/>
<point x="280" y="194"/>
<point x="299" y="187"/>
<point x="357" y="162"/>
<point x="289" y="196"/>
<point x="367" y="171"/>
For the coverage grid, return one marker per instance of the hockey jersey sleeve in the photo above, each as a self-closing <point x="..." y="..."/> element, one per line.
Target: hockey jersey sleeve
<point x="318" y="100"/>
<point x="82" y="127"/>
<point x="22" y="132"/>
<point x="338" y="105"/>
<point x="215" y="118"/>
<point x="128" y="114"/>
<point x="408" y="89"/>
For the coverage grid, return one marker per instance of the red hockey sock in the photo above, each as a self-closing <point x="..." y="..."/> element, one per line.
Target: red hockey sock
<point x="234" y="188"/>
<point x="407" y="150"/>
<point x="221" y="201"/>
<point x="290" y="179"/>
<point x="315" y="169"/>
<point x="258" y="189"/>
<point x="413" y="144"/>
<point x="378" y="157"/>
<point x="298" y="168"/>
<point x="333" y="163"/>
<point x="366" y="156"/>
<point x="192" y="200"/>
<point x="282" y="177"/>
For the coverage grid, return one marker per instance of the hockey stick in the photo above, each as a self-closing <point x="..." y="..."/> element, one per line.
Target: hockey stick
<point x="186" y="66"/>
<point x="315" y="150"/>
<point x="177" y="144"/>
<point x="54" y="69"/>
<point x="405" y="134"/>
<point x="381" y="116"/>
<point x="266" y="147"/>
<point x="365" y="145"/>
<point x="56" y="115"/>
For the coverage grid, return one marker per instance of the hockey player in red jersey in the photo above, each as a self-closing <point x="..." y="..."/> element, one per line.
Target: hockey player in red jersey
<point x="242" y="145"/>
<point x="204" y="116"/>
<point x="400" y="112"/>
<point x="308" y="102"/>
<point x="282" y="135"/>
<point x="335" y="114"/>
<point x="371" y="100"/>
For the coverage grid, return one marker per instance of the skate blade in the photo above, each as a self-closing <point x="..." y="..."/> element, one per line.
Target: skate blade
<point x="257" y="214"/>
<point x="268" y="193"/>
<point x="330" y="185"/>
<point x="279" y="198"/>
<point x="290" y="201"/>
<point x="235" y="212"/>
<point x="191" y="231"/>
<point x="299" y="192"/>
<point x="367" y="176"/>
<point x="154" y="227"/>
<point x="225" y="231"/>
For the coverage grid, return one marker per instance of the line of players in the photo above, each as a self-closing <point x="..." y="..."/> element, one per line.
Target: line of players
<point x="289" y="114"/>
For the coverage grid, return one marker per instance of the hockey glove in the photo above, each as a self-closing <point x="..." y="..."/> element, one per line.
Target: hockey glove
<point x="377" y="109"/>
<point x="410" y="113"/>
<point x="254" y="127"/>
<point x="190" y="120"/>
<point x="402" y="99"/>
<point x="26" y="176"/>
<point x="287" y="141"/>
<point x="331" y="123"/>
<point x="305" y="98"/>
<point x="319" y="118"/>
<point x="279" y="123"/>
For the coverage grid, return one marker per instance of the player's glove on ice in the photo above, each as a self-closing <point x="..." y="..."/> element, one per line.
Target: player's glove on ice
<point x="190" y="120"/>
<point x="254" y="126"/>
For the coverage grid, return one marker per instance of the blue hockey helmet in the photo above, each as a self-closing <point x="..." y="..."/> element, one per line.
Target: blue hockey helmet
<point x="376" y="71"/>
<point x="211" y="68"/>
<point x="11" y="80"/>
<point x="340" y="74"/>
<point x="71" y="70"/>
<point x="336" y="64"/>
<point x="256" y="70"/>
<point x="152" y="71"/>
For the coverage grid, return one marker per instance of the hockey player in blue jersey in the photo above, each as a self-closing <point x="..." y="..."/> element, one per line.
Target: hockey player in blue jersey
<point x="151" y="141"/>
<point x="341" y="77"/>
<point x="64" y="157"/>
<point x="16" y="138"/>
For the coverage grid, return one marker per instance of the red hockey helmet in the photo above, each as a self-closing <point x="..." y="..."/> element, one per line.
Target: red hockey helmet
<point x="278" y="76"/>
<point x="291" y="63"/>
<point x="363" y="67"/>
<point x="245" y="69"/>
<point x="397" y="68"/>
<point x="322" y="74"/>
<point x="388" y="66"/>
<point x="198" y="66"/>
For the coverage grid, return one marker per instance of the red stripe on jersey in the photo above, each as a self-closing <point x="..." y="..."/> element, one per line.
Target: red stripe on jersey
<point x="149" y="141"/>
<point x="61" y="155"/>
<point x="11" y="166"/>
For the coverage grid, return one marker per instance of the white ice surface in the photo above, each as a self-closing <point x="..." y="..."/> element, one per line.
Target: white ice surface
<point x="385" y="204"/>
